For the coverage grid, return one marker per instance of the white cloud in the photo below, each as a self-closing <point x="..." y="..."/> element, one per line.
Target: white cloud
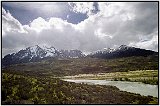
<point x="100" y="34"/>
<point x="125" y="22"/>
<point x="82" y="7"/>
<point x="39" y="24"/>
<point x="115" y="24"/>
<point x="150" y="44"/>
<point x="10" y="23"/>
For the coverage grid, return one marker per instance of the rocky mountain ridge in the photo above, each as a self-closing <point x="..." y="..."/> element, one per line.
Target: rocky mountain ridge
<point x="38" y="53"/>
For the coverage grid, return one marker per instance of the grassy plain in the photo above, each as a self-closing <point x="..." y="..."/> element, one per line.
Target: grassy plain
<point x="145" y="76"/>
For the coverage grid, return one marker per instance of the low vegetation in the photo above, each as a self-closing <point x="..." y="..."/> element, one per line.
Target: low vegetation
<point x="39" y="83"/>
<point x="20" y="89"/>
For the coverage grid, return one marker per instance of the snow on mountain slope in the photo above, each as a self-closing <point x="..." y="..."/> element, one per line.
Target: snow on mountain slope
<point x="37" y="53"/>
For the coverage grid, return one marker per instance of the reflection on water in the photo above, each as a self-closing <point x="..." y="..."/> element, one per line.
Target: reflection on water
<point x="134" y="87"/>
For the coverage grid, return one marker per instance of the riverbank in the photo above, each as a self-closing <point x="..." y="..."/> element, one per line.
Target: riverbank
<point x="144" y="76"/>
<point x="133" y="87"/>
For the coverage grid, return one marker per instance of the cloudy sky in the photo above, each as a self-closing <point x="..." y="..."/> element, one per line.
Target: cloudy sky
<point x="87" y="26"/>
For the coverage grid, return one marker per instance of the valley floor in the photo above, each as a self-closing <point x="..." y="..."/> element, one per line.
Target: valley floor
<point x="40" y="82"/>
<point x="145" y="76"/>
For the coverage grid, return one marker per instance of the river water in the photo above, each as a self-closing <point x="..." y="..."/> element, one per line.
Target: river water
<point x="134" y="87"/>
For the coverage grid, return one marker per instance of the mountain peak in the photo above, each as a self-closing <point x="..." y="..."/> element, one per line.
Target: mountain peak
<point x="37" y="53"/>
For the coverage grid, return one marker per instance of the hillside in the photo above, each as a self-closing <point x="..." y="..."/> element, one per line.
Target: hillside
<point x="63" y="67"/>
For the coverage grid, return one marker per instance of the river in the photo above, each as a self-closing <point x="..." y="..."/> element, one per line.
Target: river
<point x="134" y="87"/>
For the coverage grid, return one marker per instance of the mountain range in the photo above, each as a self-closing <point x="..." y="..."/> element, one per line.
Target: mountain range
<point x="38" y="53"/>
<point x="122" y="51"/>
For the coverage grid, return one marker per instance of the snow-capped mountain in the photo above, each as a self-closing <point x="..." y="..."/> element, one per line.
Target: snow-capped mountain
<point x="122" y="51"/>
<point x="37" y="53"/>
